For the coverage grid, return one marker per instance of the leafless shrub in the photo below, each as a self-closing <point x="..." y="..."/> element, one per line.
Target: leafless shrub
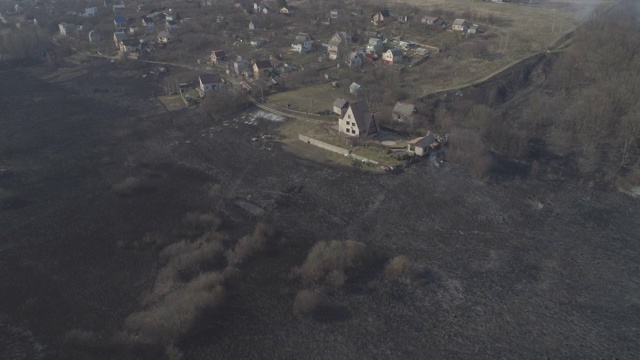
<point x="169" y="319"/>
<point x="187" y="255"/>
<point x="127" y="186"/>
<point x="198" y="220"/>
<point x="173" y="353"/>
<point x="328" y="260"/>
<point x="250" y="244"/>
<point x="398" y="267"/>
<point x="306" y="302"/>
<point x="214" y="190"/>
<point x="467" y="150"/>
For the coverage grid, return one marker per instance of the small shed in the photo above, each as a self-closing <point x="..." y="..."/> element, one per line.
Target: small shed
<point x="403" y="112"/>
<point x="340" y="107"/>
<point x="423" y="145"/>
<point x="355" y="89"/>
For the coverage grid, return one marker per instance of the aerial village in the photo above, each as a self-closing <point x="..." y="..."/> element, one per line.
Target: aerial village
<point x="356" y="71"/>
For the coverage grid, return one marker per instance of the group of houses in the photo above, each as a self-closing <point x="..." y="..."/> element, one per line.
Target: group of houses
<point x="356" y="120"/>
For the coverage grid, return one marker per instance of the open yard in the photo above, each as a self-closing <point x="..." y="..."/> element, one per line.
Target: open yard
<point x="316" y="98"/>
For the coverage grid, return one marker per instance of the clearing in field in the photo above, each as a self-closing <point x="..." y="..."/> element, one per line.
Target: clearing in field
<point x="314" y="99"/>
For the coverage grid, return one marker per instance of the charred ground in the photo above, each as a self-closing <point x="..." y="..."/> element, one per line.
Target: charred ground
<point x="507" y="268"/>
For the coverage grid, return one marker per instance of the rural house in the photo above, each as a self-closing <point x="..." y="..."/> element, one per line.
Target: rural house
<point x="130" y="45"/>
<point x="118" y="9"/>
<point x="354" y="60"/>
<point x="288" y="10"/>
<point x="148" y="23"/>
<point x="423" y="145"/>
<point x="392" y="56"/>
<point x="262" y="68"/>
<point x="403" y="112"/>
<point x="374" y="46"/>
<point x="240" y="65"/>
<point x="164" y="37"/>
<point x="170" y="25"/>
<point x="217" y="56"/>
<point x="333" y="14"/>
<point x="432" y="20"/>
<point x="66" y="29"/>
<point x="357" y="120"/>
<point x="473" y="29"/>
<point x="90" y="11"/>
<point x="120" y="23"/>
<point x="119" y="36"/>
<point x="94" y="37"/>
<point x="459" y="25"/>
<point x="340" y="107"/>
<point x="257" y="42"/>
<point x="302" y="43"/>
<point x="255" y="24"/>
<point x="337" y="46"/>
<point x="209" y="83"/>
<point x="380" y="16"/>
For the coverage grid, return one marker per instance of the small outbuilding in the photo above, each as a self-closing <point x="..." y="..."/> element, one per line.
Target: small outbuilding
<point x="423" y="145"/>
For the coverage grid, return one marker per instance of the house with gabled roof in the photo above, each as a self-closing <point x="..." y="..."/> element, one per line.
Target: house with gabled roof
<point x="120" y="22"/>
<point x="374" y="46"/>
<point x="66" y="29"/>
<point x="255" y="23"/>
<point x="431" y="20"/>
<point x="262" y="68"/>
<point x="119" y="36"/>
<point x="338" y="45"/>
<point x="380" y="16"/>
<point x="354" y="60"/>
<point x="130" y="45"/>
<point x="358" y="120"/>
<point x="288" y="10"/>
<point x="94" y="37"/>
<point x="148" y="23"/>
<point x="217" y="56"/>
<point x="423" y="145"/>
<point x="164" y="37"/>
<point x="403" y="112"/>
<point x="355" y="89"/>
<point x="392" y="56"/>
<point x="459" y="25"/>
<point x="210" y="83"/>
<point x="302" y="43"/>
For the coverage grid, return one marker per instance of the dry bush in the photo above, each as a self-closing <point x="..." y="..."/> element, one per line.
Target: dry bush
<point x="306" y="302"/>
<point x="173" y="353"/>
<point x="169" y="319"/>
<point x="214" y="190"/>
<point x="467" y="150"/>
<point x="127" y="186"/>
<point x="198" y="220"/>
<point x="398" y="267"/>
<point x="250" y="244"/>
<point x="328" y="261"/>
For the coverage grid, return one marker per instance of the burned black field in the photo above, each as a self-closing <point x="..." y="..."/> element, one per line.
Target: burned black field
<point x="510" y="268"/>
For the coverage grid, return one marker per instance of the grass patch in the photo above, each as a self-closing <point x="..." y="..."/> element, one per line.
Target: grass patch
<point x="172" y="102"/>
<point x="315" y="97"/>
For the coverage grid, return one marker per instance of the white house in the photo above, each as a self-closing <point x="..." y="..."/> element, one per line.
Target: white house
<point x="354" y="60"/>
<point x="392" y="56"/>
<point x="210" y="82"/>
<point x="302" y="43"/>
<point x="358" y="120"/>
